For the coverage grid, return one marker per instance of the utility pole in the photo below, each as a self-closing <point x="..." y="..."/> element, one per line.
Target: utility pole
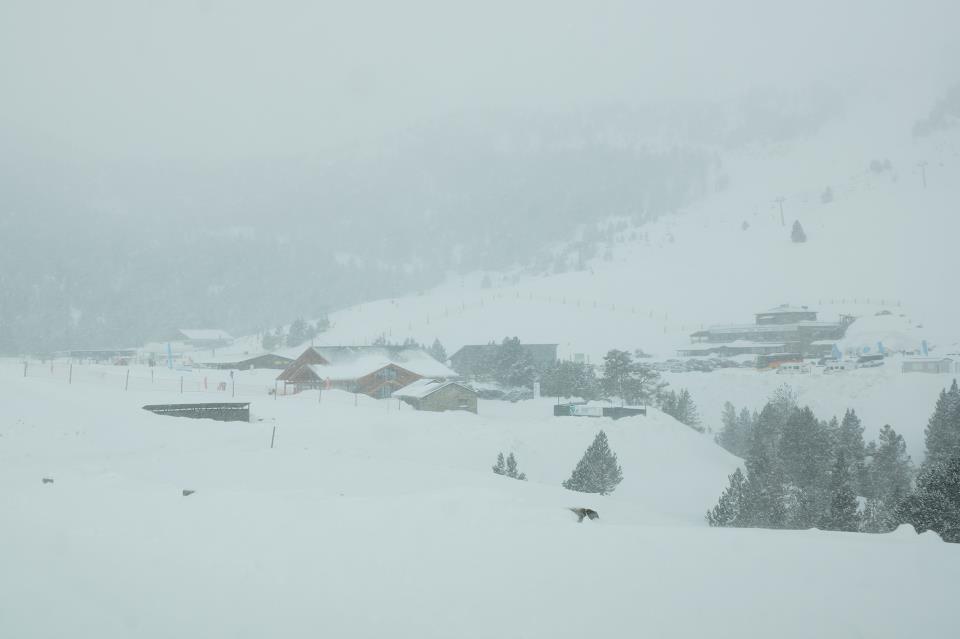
<point x="923" y="172"/>
<point x="780" y="200"/>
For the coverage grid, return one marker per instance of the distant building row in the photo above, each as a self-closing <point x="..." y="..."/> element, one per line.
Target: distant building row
<point x="783" y="330"/>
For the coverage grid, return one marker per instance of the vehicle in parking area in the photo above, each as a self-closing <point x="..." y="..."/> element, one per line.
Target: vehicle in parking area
<point x="793" y="368"/>
<point x="870" y="361"/>
<point x="836" y="367"/>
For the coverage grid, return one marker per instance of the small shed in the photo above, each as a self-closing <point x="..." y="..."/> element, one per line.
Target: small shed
<point x="927" y="365"/>
<point x="438" y="395"/>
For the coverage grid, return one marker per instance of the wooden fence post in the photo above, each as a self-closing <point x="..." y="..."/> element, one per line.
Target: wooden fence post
<point x="126" y="384"/>
<point x="273" y="437"/>
<point x="24" y="368"/>
<point x="70" y="374"/>
<point x="181" y="384"/>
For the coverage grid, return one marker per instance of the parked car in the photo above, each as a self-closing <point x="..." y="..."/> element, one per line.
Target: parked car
<point x="792" y="368"/>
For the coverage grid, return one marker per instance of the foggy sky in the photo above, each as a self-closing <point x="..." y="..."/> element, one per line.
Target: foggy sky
<point x="197" y="82"/>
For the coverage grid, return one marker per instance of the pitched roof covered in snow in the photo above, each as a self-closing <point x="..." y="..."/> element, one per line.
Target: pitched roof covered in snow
<point x="425" y="387"/>
<point x="354" y="362"/>
<point x="785" y="309"/>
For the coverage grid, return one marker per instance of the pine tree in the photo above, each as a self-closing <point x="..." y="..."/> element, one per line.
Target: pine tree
<point x="943" y="428"/>
<point x="805" y="452"/>
<point x="842" y="509"/>
<point x="687" y="411"/>
<point x="270" y="341"/>
<point x="764" y="498"/>
<point x="890" y="470"/>
<point x="935" y="504"/>
<point x="730" y="435"/>
<point x="298" y="333"/>
<point x="513" y="365"/>
<point x="669" y="403"/>
<point x="500" y="468"/>
<point x="569" y="379"/>
<point x="876" y="517"/>
<point x="850" y="441"/>
<point x="512" y="470"/>
<point x="598" y="470"/>
<point x="628" y="379"/>
<point x="727" y="512"/>
<point x="438" y="352"/>
<point x="797" y="234"/>
<point x="617" y="365"/>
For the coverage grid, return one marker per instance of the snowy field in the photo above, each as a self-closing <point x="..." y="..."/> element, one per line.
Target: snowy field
<point x="376" y="521"/>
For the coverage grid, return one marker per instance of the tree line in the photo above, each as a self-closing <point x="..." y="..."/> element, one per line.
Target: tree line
<point x="804" y="472"/>
<point x="623" y="374"/>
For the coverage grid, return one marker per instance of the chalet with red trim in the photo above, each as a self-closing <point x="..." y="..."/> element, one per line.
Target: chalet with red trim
<point x="376" y="371"/>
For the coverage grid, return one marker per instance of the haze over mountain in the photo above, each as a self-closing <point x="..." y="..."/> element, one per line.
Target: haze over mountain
<point x="321" y="155"/>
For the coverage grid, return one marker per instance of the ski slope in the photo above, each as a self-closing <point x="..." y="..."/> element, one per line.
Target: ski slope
<point x="885" y="242"/>
<point x="372" y="521"/>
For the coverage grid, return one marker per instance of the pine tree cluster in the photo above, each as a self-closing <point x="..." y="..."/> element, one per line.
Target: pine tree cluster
<point x="508" y="467"/>
<point x="681" y="407"/>
<point x="300" y="331"/>
<point x="803" y="472"/>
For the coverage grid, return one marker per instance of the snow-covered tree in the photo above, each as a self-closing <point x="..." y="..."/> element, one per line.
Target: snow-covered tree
<point x="889" y="471"/>
<point x="570" y="379"/>
<point x="764" y="498"/>
<point x="850" y="441"/>
<point x="508" y="467"/>
<point x="299" y="332"/>
<point x="500" y="468"/>
<point x="943" y="429"/>
<point x="513" y="366"/>
<point x="842" y="509"/>
<point x="631" y="381"/>
<point x="729" y="436"/>
<point x="877" y="517"/>
<point x="272" y="340"/>
<point x="805" y="451"/>
<point x="797" y="234"/>
<point x="598" y="470"/>
<point x="437" y="351"/>
<point x="935" y="504"/>
<point x="681" y="407"/>
<point x="728" y="510"/>
<point x="512" y="470"/>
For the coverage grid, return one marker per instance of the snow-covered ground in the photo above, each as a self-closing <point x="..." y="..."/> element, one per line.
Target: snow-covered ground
<point x="374" y="520"/>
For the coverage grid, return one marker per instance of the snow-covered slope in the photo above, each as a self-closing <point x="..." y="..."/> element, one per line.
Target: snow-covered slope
<point x="883" y="243"/>
<point x="369" y="521"/>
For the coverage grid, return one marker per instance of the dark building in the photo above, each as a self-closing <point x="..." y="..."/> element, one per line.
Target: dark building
<point x="438" y="395"/>
<point x="785" y="314"/>
<point x="247" y="362"/>
<point x="471" y="359"/>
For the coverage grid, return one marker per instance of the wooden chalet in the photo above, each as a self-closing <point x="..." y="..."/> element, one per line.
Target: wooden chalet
<point x="438" y="395"/>
<point x="375" y="371"/>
